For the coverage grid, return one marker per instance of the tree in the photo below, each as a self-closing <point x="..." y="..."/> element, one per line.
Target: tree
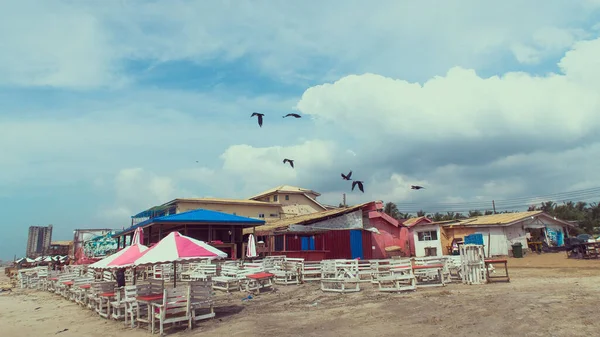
<point x="475" y="213"/>
<point x="391" y="209"/>
<point x="421" y="213"/>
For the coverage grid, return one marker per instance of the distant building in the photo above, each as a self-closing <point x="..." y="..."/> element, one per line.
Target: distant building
<point x="60" y="248"/>
<point x="38" y="241"/>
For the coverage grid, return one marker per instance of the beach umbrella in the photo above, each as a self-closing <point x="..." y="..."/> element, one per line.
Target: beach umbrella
<point x="176" y="248"/>
<point x="251" y="248"/>
<point x="132" y="253"/>
<point x="135" y="246"/>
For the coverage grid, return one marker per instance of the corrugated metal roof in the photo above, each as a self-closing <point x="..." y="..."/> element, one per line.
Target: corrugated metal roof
<point x="413" y="221"/>
<point x="226" y="201"/>
<point x="494" y="219"/>
<point x="304" y="219"/>
<point x="285" y="188"/>
<point x="198" y="216"/>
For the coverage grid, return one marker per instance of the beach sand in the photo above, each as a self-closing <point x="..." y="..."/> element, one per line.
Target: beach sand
<point x="548" y="296"/>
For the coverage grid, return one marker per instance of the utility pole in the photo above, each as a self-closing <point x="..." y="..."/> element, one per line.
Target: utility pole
<point x="344" y="199"/>
<point x="494" y="206"/>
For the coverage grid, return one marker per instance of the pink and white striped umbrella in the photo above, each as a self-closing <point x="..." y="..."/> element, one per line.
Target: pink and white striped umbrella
<point x="176" y="247"/>
<point x="124" y="254"/>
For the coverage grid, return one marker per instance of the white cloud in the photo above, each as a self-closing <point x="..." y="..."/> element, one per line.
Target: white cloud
<point x="136" y="190"/>
<point x="544" y="42"/>
<point x="283" y="40"/>
<point x="464" y="105"/>
<point x="525" y="126"/>
<point x="263" y="168"/>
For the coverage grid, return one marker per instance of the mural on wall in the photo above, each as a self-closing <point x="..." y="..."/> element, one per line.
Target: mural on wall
<point x="99" y="246"/>
<point x="555" y="237"/>
<point x="92" y="243"/>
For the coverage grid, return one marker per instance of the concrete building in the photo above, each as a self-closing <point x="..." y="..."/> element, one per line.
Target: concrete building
<point x="38" y="241"/>
<point x="277" y="203"/>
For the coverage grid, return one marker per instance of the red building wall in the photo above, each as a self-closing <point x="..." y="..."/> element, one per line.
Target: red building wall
<point x="390" y="235"/>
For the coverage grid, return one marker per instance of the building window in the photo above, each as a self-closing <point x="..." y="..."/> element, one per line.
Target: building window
<point x="273" y="215"/>
<point x="275" y="198"/>
<point x="307" y="243"/>
<point x="287" y="197"/>
<point x="278" y="243"/>
<point x="427" y="236"/>
<point x="261" y="215"/>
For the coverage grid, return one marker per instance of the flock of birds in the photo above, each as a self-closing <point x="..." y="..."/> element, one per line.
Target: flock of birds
<point x="347" y="177"/>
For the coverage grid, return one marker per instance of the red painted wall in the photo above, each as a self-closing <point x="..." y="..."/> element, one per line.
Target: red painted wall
<point x="390" y="235"/>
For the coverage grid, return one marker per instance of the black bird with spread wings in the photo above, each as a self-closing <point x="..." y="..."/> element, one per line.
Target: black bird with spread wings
<point x="289" y="161"/>
<point x="416" y="187"/>
<point x="292" y="115"/>
<point x="347" y="176"/>
<point x="260" y="118"/>
<point x="360" y="185"/>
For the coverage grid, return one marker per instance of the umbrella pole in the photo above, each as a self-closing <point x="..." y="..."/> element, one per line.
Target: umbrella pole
<point x="174" y="274"/>
<point x="134" y="274"/>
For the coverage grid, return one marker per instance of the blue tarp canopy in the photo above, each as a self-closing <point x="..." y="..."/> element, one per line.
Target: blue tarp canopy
<point x="198" y="216"/>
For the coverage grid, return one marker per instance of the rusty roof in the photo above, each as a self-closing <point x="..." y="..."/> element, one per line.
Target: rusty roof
<point x="225" y="201"/>
<point x="303" y="219"/>
<point x="285" y="189"/>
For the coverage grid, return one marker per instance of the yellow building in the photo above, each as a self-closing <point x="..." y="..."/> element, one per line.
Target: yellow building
<point x="274" y="204"/>
<point x="293" y="200"/>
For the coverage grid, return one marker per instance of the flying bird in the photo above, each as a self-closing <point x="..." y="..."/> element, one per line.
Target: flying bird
<point x="347" y="176"/>
<point x="260" y="118"/>
<point x="414" y="187"/>
<point x="289" y="161"/>
<point x="292" y="115"/>
<point x="360" y="185"/>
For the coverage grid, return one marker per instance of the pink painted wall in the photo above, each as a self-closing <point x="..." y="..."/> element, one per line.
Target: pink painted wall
<point x="392" y="234"/>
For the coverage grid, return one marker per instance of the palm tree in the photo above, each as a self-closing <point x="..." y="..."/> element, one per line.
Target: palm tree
<point x="421" y="213"/>
<point x="391" y="209"/>
<point x="548" y="207"/>
<point x="475" y="213"/>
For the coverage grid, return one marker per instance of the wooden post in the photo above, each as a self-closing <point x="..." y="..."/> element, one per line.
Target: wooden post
<point x="494" y="206"/>
<point x="284" y="242"/>
<point x="185" y="230"/>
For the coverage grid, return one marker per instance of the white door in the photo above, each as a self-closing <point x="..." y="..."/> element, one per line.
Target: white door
<point x="498" y="244"/>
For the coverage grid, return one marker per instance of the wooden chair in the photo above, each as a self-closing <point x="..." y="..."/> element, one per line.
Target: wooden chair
<point x="200" y="299"/>
<point x="118" y="305"/>
<point x="289" y="273"/>
<point x="401" y="277"/>
<point x="175" y="308"/>
<point x="340" y="276"/>
<point x="311" y="272"/>
<point x="131" y="305"/>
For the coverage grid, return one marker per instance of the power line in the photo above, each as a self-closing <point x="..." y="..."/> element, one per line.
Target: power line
<point x="506" y="204"/>
<point x="559" y="196"/>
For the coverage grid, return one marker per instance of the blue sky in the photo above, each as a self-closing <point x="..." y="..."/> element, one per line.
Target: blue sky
<point x="105" y="110"/>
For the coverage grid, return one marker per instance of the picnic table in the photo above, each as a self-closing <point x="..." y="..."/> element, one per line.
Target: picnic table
<point x="147" y="299"/>
<point x="256" y="282"/>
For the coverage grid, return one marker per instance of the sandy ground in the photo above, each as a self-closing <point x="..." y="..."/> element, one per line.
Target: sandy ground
<point x="548" y="296"/>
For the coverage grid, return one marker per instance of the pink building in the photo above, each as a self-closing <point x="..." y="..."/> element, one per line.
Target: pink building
<point x="392" y="234"/>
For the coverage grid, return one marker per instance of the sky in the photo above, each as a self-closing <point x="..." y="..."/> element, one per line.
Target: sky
<point x="108" y="108"/>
